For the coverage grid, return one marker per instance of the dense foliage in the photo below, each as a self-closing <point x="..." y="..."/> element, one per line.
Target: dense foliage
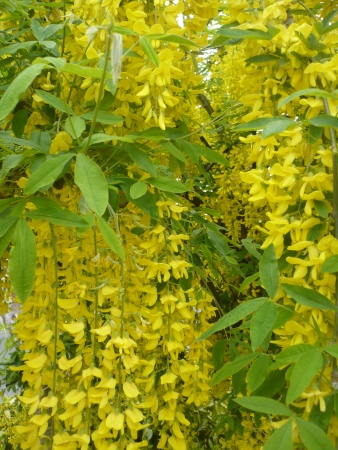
<point x="169" y="223"/>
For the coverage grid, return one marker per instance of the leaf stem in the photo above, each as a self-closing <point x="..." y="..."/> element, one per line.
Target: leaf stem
<point x="101" y="89"/>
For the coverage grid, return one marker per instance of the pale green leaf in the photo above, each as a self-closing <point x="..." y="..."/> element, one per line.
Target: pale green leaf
<point x="305" y="369"/>
<point x="149" y="51"/>
<point x="47" y="173"/>
<point x="332" y="350"/>
<point x="6" y="223"/>
<point x="167" y="184"/>
<point x="57" y="216"/>
<point x="281" y="439"/>
<point x="330" y="265"/>
<point x="311" y="92"/>
<point x="56" y="102"/>
<point x="138" y="189"/>
<point x="258" y="372"/>
<point x="75" y="126"/>
<point x="293" y="353"/>
<point x="312" y="436"/>
<point x="264" y="405"/>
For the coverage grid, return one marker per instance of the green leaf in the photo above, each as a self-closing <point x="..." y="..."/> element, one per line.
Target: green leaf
<point x="218" y="352"/>
<point x="261" y="323"/>
<point x="251" y="249"/>
<point x="248" y="281"/>
<point x="141" y="159"/>
<point x="149" y="51"/>
<point x="92" y="183"/>
<point x="324" y="120"/>
<point x="138" y="189"/>
<point x="293" y="353"/>
<point x="19" y="122"/>
<point x="233" y="367"/>
<point x="264" y="405"/>
<point x="13" y="48"/>
<point x="172" y="38"/>
<point x="111" y="237"/>
<point x="167" y="184"/>
<point x="102" y="137"/>
<point x="147" y="202"/>
<point x="332" y="350"/>
<point x="57" y="216"/>
<point x="330" y="265"/>
<point x="7" y="202"/>
<point x="104" y="117"/>
<point x="284" y="314"/>
<point x="219" y="242"/>
<point x="82" y="71"/>
<point x="23" y="142"/>
<point x="281" y="439"/>
<point x="278" y="126"/>
<point x="305" y="369"/>
<point x="308" y="297"/>
<point x="258" y="372"/>
<point x="22" y="260"/>
<point x="315" y="232"/>
<point x="311" y="92"/>
<point x="75" y="126"/>
<point x="6" y="224"/>
<point x="195" y="151"/>
<point x="262" y="59"/>
<point x="260" y="124"/>
<point x="268" y="271"/>
<point x="17" y="88"/>
<point x="244" y="34"/>
<point x="56" y="102"/>
<point x="47" y="173"/>
<point x="170" y="148"/>
<point x="234" y="316"/>
<point x="5" y="240"/>
<point x="10" y="162"/>
<point x="312" y="436"/>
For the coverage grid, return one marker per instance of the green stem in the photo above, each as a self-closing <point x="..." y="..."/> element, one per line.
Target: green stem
<point x="56" y="312"/>
<point x="334" y="376"/>
<point x="101" y="89"/>
<point x="96" y="300"/>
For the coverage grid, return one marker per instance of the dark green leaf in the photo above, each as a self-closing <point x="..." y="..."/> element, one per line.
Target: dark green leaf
<point x="314" y="134"/>
<point x="195" y="151"/>
<point x="281" y="439"/>
<point x="244" y="34"/>
<point x="268" y="271"/>
<point x="262" y="59"/>
<point x="10" y="162"/>
<point x="57" y="216"/>
<point x="170" y="148"/>
<point x="19" y="122"/>
<point x="47" y="173"/>
<point x="219" y="242"/>
<point x="22" y="260"/>
<point x="5" y="240"/>
<point x="251" y="249"/>
<point x="172" y="38"/>
<point x="284" y="314"/>
<point x="308" y="297"/>
<point x="92" y="183"/>
<point x="218" y="352"/>
<point x="233" y="367"/>
<point x="315" y="232"/>
<point x="261" y="323"/>
<point x="305" y="369"/>
<point x="278" y="126"/>
<point x="98" y="138"/>
<point x="82" y="71"/>
<point x="264" y="405"/>
<point x="248" y="281"/>
<point x="6" y="224"/>
<point x="330" y="265"/>
<point x="17" y="88"/>
<point x="312" y="436"/>
<point x="234" y="316"/>
<point x="13" y="48"/>
<point x="111" y="237"/>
